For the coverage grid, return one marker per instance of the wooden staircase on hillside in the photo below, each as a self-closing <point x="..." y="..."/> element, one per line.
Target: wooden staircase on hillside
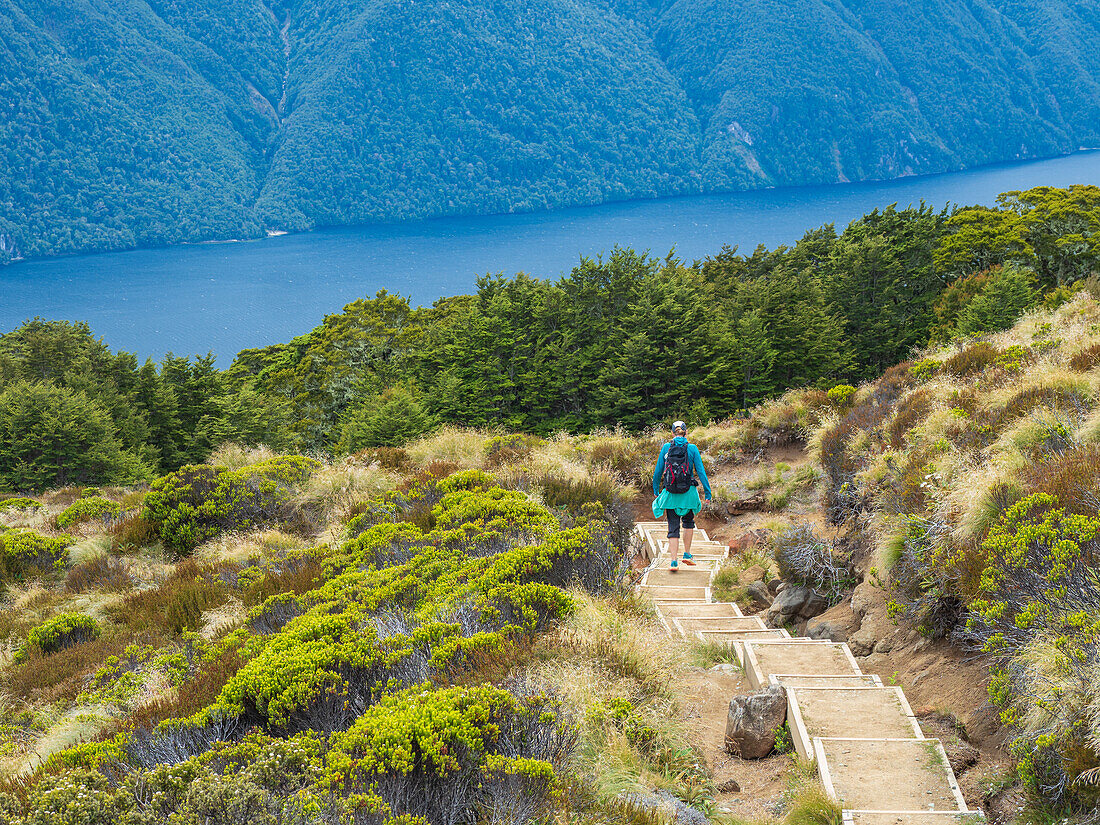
<point x="870" y="753"/>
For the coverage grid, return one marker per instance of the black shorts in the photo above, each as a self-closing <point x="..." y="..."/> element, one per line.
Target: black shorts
<point x="674" y="522"/>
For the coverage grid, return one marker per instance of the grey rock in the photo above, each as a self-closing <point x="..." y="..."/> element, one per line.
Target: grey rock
<point x="835" y="624"/>
<point x="759" y="592"/>
<point x="796" y="603"/>
<point x="779" y="588"/>
<point x="729" y="786"/>
<point x="725" y="667"/>
<point x="752" y="721"/>
<point x="860" y="646"/>
<point x="774" y="586"/>
<point x="663" y="802"/>
<point x="864" y="598"/>
<point x="884" y="646"/>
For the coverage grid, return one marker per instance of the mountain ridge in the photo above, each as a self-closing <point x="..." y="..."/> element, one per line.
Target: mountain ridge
<point x="156" y="122"/>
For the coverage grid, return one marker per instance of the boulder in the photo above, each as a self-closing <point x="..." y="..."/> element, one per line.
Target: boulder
<point x="756" y="573"/>
<point x="865" y="598"/>
<point x="796" y="603"/>
<point x="729" y="786"/>
<point x="863" y="641"/>
<point x="774" y="586"/>
<point x="747" y="541"/>
<point x="752" y="721"/>
<point x="759" y="592"/>
<point x="835" y="624"/>
<point x="753" y="503"/>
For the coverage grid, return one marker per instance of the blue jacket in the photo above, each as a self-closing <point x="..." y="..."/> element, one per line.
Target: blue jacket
<point x="697" y="462"/>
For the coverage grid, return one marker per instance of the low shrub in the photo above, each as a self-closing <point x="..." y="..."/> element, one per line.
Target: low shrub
<point x="20" y="503"/>
<point x="1084" y="361"/>
<point x="841" y="395"/>
<point x="446" y="754"/>
<point x="99" y="573"/>
<point x="25" y="554"/>
<point x="87" y="509"/>
<point x="925" y="368"/>
<point x="60" y="632"/>
<point x="178" y="603"/>
<point x="971" y="360"/>
<point x="133" y="533"/>
<point x="803" y="558"/>
<point x="197" y="502"/>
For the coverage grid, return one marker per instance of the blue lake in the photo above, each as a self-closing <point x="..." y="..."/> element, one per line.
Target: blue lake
<point x="226" y="297"/>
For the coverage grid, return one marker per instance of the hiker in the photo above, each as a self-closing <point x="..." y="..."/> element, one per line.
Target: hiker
<point x="678" y="466"/>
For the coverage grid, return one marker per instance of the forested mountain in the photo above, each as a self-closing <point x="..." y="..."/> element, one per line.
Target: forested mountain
<point x="145" y="122"/>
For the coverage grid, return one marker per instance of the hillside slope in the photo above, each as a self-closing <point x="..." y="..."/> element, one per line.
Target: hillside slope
<point x="156" y="122"/>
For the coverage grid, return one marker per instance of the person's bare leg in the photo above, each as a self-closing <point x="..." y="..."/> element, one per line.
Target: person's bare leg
<point x="674" y="548"/>
<point x="687" y="533"/>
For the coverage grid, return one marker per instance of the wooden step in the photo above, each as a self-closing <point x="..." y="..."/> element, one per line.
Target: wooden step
<point x="688" y="625"/>
<point x="801" y="657"/>
<point x="669" y="593"/>
<point x="735" y="639"/>
<point x="914" y="818"/>
<point x="789" y="680"/>
<point x="698" y="576"/>
<point x="696" y="610"/>
<point x="888" y="774"/>
<point x="850" y="712"/>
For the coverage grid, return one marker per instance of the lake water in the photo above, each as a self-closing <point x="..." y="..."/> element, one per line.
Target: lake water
<point x="226" y="297"/>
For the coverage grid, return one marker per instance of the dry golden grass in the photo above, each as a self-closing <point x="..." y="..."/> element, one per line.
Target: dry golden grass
<point x="468" y="448"/>
<point x="233" y="456"/>
<point x="243" y="548"/>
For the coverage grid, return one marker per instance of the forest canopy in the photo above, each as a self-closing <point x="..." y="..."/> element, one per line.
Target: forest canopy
<point x="623" y="339"/>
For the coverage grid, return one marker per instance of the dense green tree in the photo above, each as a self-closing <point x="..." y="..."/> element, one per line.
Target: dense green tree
<point x="999" y="303"/>
<point x="51" y="436"/>
<point x="391" y="418"/>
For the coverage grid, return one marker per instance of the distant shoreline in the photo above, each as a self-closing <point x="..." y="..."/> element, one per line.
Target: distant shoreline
<point x="277" y="233"/>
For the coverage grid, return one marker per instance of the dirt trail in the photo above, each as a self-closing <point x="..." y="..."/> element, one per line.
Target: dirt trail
<point x="947" y="692"/>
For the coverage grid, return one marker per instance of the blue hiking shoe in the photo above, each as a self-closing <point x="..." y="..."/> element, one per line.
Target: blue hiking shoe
<point x="674" y="566"/>
<point x="689" y="559"/>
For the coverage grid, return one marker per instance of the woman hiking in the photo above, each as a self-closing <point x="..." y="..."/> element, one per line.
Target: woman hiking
<point x="678" y="465"/>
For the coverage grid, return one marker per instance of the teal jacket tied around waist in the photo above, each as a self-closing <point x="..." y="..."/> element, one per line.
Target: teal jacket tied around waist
<point x="682" y="503"/>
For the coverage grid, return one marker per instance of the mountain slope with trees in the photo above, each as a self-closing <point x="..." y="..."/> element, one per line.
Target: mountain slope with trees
<point x="156" y="122"/>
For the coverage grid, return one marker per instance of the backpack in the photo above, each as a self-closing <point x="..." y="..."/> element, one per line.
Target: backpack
<point x="679" y="471"/>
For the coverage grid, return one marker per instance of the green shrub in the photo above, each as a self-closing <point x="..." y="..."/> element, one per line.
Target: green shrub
<point x="63" y="631"/>
<point x="1038" y="575"/>
<point x="78" y="797"/>
<point x="20" y="503"/>
<point x="462" y="746"/>
<point x="87" y="509"/>
<point x="25" y="553"/>
<point x="925" y="368"/>
<point x="841" y="395"/>
<point x="198" y="501"/>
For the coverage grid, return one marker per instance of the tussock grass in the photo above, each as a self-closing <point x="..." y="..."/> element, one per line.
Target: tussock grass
<point x="233" y="456"/>
<point x="467" y="448"/>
